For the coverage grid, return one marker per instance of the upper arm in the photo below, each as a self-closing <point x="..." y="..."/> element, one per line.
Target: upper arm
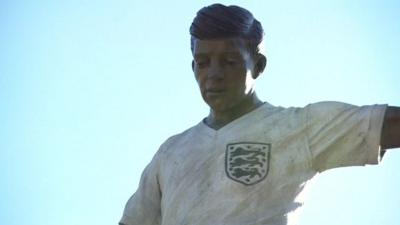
<point x="390" y="136"/>
<point x="144" y="207"/>
<point x="340" y="134"/>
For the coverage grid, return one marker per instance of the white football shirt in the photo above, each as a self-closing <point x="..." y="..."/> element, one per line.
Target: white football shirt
<point x="253" y="170"/>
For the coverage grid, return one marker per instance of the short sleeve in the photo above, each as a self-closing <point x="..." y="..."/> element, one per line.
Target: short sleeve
<point x="342" y="135"/>
<point x="144" y="207"/>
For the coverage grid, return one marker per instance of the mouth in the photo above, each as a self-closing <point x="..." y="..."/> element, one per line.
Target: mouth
<point x="215" y="92"/>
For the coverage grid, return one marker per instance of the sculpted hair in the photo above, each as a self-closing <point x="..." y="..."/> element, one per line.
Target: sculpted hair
<point x="220" y="21"/>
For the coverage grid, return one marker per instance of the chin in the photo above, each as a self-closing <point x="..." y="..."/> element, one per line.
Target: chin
<point x="219" y="106"/>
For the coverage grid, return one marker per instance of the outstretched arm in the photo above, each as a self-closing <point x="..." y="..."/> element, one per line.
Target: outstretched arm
<point x="390" y="137"/>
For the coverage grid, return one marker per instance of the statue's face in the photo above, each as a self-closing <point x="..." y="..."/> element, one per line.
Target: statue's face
<point x="224" y="72"/>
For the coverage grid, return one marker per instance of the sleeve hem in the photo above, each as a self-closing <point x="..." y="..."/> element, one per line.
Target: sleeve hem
<point x="374" y="136"/>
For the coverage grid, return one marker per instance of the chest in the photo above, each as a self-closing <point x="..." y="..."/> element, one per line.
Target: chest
<point x="266" y="155"/>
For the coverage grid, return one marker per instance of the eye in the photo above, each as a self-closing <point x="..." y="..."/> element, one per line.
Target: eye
<point x="201" y="63"/>
<point x="231" y="61"/>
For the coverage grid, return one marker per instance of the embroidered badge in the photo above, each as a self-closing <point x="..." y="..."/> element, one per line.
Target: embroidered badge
<point x="247" y="163"/>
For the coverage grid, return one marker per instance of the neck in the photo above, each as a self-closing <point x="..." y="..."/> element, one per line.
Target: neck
<point x="218" y="119"/>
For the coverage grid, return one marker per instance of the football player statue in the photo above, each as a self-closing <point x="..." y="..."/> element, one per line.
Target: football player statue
<point x="248" y="161"/>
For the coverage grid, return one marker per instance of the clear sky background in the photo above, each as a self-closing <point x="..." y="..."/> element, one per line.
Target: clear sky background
<point x="90" y="89"/>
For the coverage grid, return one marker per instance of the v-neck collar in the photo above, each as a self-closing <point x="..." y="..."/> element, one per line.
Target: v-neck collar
<point x="234" y="122"/>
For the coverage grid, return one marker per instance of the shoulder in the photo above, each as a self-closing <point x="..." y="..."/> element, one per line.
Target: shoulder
<point x="179" y="139"/>
<point x="329" y="109"/>
<point x="280" y="112"/>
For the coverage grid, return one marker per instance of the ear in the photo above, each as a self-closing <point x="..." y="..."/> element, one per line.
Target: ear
<point x="261" y="63"/>
<point x="195" y="75"/>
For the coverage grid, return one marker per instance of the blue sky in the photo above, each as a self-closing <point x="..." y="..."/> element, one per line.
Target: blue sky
<point x="90" y="89"/>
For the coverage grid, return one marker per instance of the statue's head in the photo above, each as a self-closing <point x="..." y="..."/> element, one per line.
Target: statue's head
<point x="225" y="44"/>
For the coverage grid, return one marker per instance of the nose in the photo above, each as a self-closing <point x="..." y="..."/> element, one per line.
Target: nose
<point x="215" y="71"/>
